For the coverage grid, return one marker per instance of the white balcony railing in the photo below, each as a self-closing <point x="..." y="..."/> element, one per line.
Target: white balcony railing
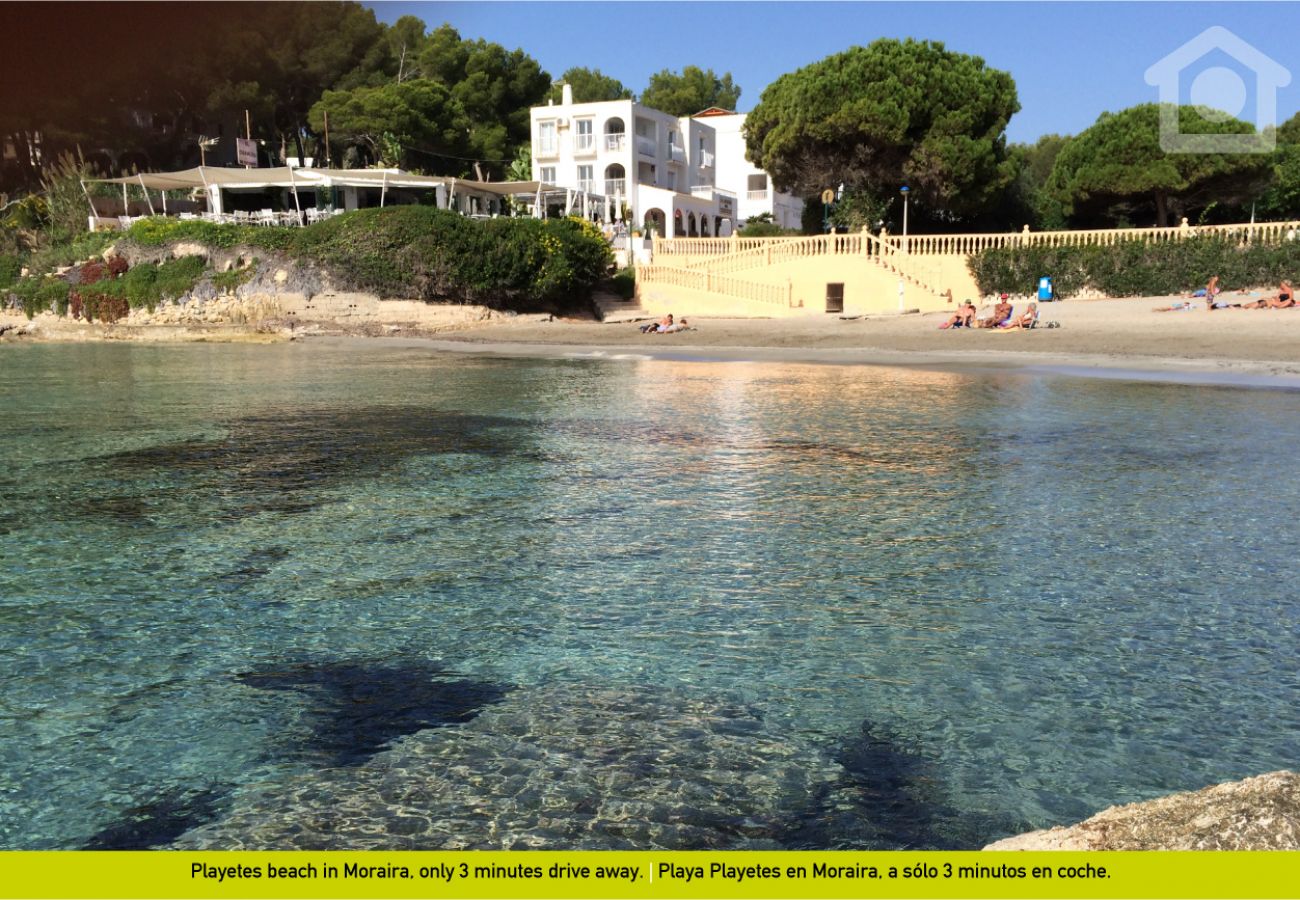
<point x="706" y="159"/>
<point x="584" y="143"/>
<point x="676" y="154"/>
<point x="548" y="148"/>
<point x="702" y="190"/>
<point x="645" y="146"/>
<point x="615" y="186"/>
<point x="614" y="143"/>
<point x="756" y="195"/>
<point x="587" y="185"/>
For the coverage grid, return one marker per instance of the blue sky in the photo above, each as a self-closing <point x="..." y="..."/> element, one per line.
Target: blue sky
<point x="1070" y="61"/>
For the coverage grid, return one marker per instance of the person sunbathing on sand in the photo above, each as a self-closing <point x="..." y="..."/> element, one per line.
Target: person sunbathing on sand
<point x="1024" y="321"/>
<point x="665" y="322"/>
<point x="964" y="317"/>
<point x="1001" y="313"/>
<point x="1284" y="299"/>
<point x="672" y="329"/>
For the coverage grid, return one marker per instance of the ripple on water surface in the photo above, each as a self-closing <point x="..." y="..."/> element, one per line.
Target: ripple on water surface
<point x="374" y="596"/>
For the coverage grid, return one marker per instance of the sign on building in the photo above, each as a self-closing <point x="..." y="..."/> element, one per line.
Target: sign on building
<point x="245" y="152"/>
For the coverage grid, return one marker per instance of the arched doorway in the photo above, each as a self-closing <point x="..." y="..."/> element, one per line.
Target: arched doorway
<point x="704" y="226"/>
<point x="678" y="227"/>
<point x="690" y="225"/>
<point x="654" y="222"/>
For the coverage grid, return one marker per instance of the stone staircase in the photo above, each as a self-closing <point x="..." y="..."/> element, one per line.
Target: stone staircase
<point x="613" y="308"/>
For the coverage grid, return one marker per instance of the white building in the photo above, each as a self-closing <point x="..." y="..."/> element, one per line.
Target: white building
<point x="753" y="189"/>
<point x="684" y="177"/>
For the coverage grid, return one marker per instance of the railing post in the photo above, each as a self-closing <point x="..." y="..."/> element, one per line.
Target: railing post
<point x="767" y="253"/>
<point x="866" y="240"/>
<point x="708" y="280"/>
<point x="789" y="292"/>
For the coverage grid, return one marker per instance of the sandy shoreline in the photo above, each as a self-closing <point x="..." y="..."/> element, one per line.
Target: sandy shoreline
<point x="1119" y="337"/>
<point x="1252" y="346"/>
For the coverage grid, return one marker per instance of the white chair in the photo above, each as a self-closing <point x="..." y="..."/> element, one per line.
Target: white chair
<point x="186" y="217"/>
<point x="266" y="217"/>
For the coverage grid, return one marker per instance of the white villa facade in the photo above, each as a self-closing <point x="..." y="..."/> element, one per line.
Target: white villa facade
<point x="682" y="177"/>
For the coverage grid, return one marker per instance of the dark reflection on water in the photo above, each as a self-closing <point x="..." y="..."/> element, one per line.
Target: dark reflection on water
<point x="890" y="796"/>
<point x="283" y="463"/>
<point x="357" y="707"/>
<point x="158" y="821"/>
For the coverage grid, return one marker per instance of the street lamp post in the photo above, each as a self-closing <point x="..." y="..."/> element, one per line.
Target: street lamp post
<point x="901" y="287"/>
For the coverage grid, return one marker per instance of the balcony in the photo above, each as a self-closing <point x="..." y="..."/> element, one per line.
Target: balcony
<point x="702" y="190"/>
<point x="587" y="185"/>
<point x="676" y="154"/>
<point x="547" y="149"/>
<point x="584" y="144"/>
<point x="756" y="195"/>
<point x="615" y="186"/>
<point x="615" y="143"/>
<point x="645" y="146"/>
<point x="706" y="159"/>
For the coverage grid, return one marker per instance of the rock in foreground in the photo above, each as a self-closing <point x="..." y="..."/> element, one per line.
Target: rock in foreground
<point x="1260" y="813"/>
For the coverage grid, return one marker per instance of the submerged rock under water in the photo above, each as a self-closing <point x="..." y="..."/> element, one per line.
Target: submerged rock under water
<point x="356" y="707"/>
<point x="556" y="767"/>
<point x="284" y="463"/>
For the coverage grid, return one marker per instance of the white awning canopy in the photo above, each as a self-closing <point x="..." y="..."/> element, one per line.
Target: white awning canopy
<point x="281" y="177"/>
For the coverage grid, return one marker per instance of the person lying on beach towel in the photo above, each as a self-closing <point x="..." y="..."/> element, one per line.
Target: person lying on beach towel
<point x="665" y="322"/>
<point x="672" y="329"/>
<point x="1284" y="299"/>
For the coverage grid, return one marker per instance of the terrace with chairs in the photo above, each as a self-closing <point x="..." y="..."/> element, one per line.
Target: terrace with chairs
<point x="288" y="196"/>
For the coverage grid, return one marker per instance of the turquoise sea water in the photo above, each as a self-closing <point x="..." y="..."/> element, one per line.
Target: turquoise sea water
<point x="369" y="595"/>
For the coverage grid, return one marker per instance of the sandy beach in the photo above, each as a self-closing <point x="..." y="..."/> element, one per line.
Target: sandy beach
<point x="1098" y="336"/>
<point x="1125" y="334"/>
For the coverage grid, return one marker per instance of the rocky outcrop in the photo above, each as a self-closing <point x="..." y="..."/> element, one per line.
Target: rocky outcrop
<point x="1260" y="813"/>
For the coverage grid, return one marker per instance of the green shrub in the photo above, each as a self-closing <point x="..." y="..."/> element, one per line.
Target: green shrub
<point x="764" y="229"/>
<point x="160" y="231"/>
<point x="85" y="246"/>
<point x="437" y="255"/>
<point x="1136" y="268"/>
<point x="624" y="282"/>
<point x="38" y="295"/>
<point x="227" y="282"/>
<point x="147" y="284"/>
<point x="422" y="253"/>
<point x="10" y="268"/>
